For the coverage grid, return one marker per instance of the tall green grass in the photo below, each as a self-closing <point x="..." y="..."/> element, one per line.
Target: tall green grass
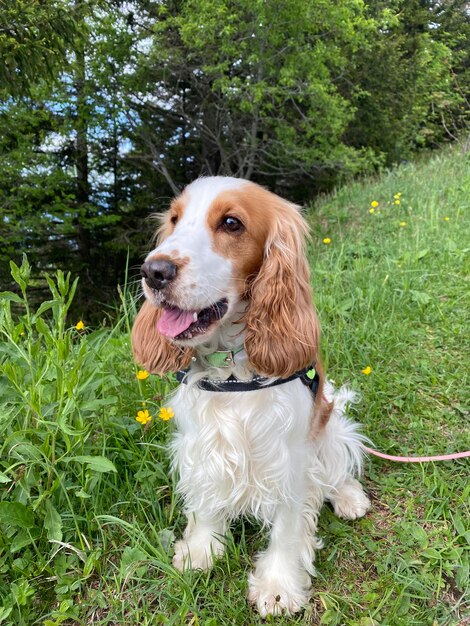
<point x="87" y="507"/>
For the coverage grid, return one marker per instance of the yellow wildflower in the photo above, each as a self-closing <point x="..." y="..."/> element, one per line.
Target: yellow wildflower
<point x="142" y="375"/>
<point x="372" y="210"/>
<point x="396" y="202"/>
<point x="143" y="417"/>
<point x="397" y="196"/>
<point x="327" y="240"/>
<point x="367" y="370"/>
<point x="80" y="325"/>
<point x="447" y="219"/>
<point x="402" y="224"/>
<point x="374" y="204"/>
<point x="166" y="414"/>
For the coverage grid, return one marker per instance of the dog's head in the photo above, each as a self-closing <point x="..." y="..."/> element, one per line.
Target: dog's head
<point x="228" y="249"/>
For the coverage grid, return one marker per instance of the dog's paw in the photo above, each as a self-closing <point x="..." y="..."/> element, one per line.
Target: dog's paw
<point x="189" y="555"/>
<point x="350" y="501"/>
<point x="272" y="597"/>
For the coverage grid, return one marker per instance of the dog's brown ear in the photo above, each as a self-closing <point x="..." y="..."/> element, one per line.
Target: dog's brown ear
<point x="282" y="328"/>
<point x="153" y="351"/>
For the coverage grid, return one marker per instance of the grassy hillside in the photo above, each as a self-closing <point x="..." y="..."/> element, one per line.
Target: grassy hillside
<point x="87" y="510"/>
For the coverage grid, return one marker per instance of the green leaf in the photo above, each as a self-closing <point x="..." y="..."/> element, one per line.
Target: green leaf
<point x="422" y="253"/>
<point x="95" y="463"/>
<point x="4" y="478"/>
<point x="458" y="523"/>
<point x="419" y="534"/>
<point x="25" y="452"/>
<point x="132" y="561"/>
<point x="431" y="553"/>
<point x="462" y="576"/>
<point x="346" y="305"/>
<point x="11" y="297"/>
<point x="5" y="612"/>
<point x="21" y="591"/>
<point x="82" y="494"/>
<point x="166" y="537"/>
<point x="42" y="327"/>
<point x="53" y="522"/>
<point x="97" y="403"/>
<point x="24" y="538"/>
<point x="16" y="514"/>
<point x="21" y="274"/>
<point x="45" y="306"/>
<point x="420" y="297"/>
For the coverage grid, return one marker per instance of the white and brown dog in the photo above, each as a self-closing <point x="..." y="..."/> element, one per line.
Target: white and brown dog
<point x="228" y="296"/>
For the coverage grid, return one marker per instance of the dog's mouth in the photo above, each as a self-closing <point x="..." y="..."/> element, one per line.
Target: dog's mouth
<point x="179" y="324"/>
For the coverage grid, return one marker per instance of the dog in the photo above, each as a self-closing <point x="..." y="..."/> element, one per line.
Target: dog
<point x="259" y="431"/>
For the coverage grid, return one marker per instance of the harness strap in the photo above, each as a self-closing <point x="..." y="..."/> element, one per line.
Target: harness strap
<point x="309" y="376"/>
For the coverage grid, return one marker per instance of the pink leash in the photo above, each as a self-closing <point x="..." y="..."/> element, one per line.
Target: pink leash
<point x="418" y="459"/>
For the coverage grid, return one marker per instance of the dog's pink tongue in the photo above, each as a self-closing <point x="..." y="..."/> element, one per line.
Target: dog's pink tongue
<point x="172" y="322"/>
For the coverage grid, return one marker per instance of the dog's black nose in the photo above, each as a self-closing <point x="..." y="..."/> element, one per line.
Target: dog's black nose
<point x="158" y="273"/>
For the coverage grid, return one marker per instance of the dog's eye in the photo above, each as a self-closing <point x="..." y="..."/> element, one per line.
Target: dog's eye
<point x="173" y="219"/>
<point x="232" y="224"/>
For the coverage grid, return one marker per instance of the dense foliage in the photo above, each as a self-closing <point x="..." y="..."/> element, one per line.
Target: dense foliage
<point x="109" y="107"/>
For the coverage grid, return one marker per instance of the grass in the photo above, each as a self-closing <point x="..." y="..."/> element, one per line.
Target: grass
<point x="87" y="508"/>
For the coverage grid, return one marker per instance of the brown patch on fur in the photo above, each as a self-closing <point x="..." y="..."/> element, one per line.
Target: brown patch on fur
<point x="167" y="226"/>
<point x="283" y="331"/>
<point x="153" y="351"/>
<point x="322" y="408"/>
<point x="246" y="248"/>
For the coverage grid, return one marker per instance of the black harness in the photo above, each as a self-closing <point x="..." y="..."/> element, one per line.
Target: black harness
<point x="309" y="376"/>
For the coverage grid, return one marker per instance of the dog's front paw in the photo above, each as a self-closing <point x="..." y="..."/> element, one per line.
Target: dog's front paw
<point x="273" y="597"/>
<point x="350" y="501"/>
<point x="191" y="555"/>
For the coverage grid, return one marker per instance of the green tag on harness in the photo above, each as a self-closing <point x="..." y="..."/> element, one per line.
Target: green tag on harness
<point x="223" y="358"/>
<point x="311" y="373"/>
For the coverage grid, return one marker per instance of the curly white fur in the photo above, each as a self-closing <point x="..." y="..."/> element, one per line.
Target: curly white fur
<point x="250" y="453"/>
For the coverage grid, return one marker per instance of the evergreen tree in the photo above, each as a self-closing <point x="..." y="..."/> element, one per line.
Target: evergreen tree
<point x="108" y="108"/>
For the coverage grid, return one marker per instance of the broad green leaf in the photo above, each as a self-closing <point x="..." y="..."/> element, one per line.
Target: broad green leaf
<point x="21" y="591"/>
<point x="419" y="534"/>
<point x="458" y="523"/>
<point x="53" y="522"/>
<point x="82" y="494"/>
<point x="21" y="274"/>
<point x="420" y="297"/>
<point x="462" y="576"/>
<point x="422" y="253"/>
<point x="45" y="306"/>
<point x="42" y="327"/>
<point x="11" y="297"/>
<point x="24" y="538"/>
<point x="25" y="452"/>
<point x="5" y="612"/>
<point x="95" y="463"/>
<point x="166" y="537"/>
<point x="97" y="403"/>
<point x="431" y="553"/>
<point x="132" y="561"/>
<point x="16" y="514"/>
